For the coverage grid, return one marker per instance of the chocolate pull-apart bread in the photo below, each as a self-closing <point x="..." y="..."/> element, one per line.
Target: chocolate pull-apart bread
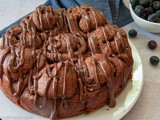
<point x="62" y="63"/>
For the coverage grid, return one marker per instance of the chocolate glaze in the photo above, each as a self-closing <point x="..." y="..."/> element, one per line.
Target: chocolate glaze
<point x="57" y="55"/>
<point x="88" y="18"/>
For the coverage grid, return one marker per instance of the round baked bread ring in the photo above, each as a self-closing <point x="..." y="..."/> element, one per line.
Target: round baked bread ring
<point x="62" y="63"/>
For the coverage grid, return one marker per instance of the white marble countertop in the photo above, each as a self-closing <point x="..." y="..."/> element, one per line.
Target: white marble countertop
<point x="148" y="105"/>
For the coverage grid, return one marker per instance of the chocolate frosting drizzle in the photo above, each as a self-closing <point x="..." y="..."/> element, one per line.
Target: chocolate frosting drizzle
<point x="64" y="50"/>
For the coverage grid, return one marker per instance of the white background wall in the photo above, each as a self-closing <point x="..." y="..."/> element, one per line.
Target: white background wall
<point x="12" y="10"/>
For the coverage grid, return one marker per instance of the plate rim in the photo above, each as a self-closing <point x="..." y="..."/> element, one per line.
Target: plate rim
<point x="141" y="87"/>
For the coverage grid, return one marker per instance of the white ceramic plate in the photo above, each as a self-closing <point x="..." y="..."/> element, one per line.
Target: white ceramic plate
<point x="125" y="101"/>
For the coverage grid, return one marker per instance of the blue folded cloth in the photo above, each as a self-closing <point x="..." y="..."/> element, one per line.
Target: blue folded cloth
<point x="114" y="10"/>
